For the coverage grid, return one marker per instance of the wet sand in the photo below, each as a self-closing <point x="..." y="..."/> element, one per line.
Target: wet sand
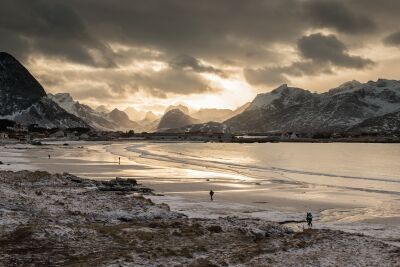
<point x="185" y="187"/>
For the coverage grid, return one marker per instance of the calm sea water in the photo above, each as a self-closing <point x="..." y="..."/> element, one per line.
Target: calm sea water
<point x="347" y="185"/>
<point x="373" y="167"/>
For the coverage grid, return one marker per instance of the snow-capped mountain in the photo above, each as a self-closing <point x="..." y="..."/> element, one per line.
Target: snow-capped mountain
<point x="95" y="119"/>
<point x="281" y="97"/>
<point x="339" y="109"/>
<point x="175" y="118"/>
<point x="388" y="124"/>
<point x="209" y="127"/>
<point x="23" y="99"/>
<point x="112" y="121"/>
<point x="48" y="114"/>
<point x="18" y="88"/>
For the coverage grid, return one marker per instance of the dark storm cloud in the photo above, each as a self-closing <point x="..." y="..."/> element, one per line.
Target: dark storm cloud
<point x="53" y="29"/>
<point x="276" y="75"/>
<point x="334" y="14"/>
<point x="215" y="35"/>
<point x="186" y="61"/>
<point x="329" y="49"/>
<point x="264" y="76"/>
<point x="172" y="81"/>
<point x="119" y="84"/>
<point x="320" y="53"/>
<point x="393" y="39"/>
<point x="225" y="30"/>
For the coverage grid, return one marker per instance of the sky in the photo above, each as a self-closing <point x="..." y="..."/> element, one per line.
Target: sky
<point x="205" y="54"/>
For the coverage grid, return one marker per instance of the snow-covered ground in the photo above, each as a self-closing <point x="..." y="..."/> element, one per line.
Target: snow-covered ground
<point x="63" y="220"/>
<point x="356" y="196"/>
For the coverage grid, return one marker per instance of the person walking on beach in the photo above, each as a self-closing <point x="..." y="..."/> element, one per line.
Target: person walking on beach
<point x="211" y="195"/>
<point x="119" y="160"/>
<point x="309" y="219"/>
<point x="49" y="156"/>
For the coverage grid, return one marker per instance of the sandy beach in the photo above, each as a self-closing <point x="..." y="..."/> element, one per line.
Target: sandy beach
<point x="368" y="205"/>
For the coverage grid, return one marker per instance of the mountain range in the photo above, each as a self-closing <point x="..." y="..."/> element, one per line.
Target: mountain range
<point x="351" y="106"/>
<point x="372" y="107"/>
<point x="23" y="99"/>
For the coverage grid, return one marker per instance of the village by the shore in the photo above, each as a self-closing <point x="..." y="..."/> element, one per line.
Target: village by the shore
<point x="11" y="132"/>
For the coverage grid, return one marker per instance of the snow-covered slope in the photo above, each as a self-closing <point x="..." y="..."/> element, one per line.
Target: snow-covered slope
<point x="95" y="119"/>
<point x="112" y="121"/>
<point x="282" y="96"/>
<point x="388" y="124"/>
<point x="18" y="88"/>
<point x="209" y="127"/>
<point x="339" y="109"/>
<point x="23" y="99"/>
<point x="48" y="114"/>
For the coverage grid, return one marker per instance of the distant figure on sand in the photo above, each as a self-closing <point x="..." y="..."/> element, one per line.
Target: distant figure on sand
<point x="211" y="195"/>
<point x="119" y="160"/>
<point x="309" y="219"/>
<point x="49" y="156"/>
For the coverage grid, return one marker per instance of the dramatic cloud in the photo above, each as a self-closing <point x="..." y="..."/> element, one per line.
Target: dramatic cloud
<point x="276" y="75"/>
<point x="172" y="81"/>
<point x="319" y="54"/>
<point x="52" y="29"/>
<point x="186" y="61"/>
<point x="328" y="49"/>
<point x="393" y="39"/>
<point x="173" y="47"/>
<point x="333" y="14"/>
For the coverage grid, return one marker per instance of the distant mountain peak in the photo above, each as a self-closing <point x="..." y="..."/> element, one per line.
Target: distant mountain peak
<point x="175" y="118"/>
<point x="181" y="107"/>
<point x="350" y="85"/>
<point x="281" y="88"/>
<point x="150" y="116"/>
<point x="284" y="94"/>
<point x="122" y="119"/>
<point x="294" y="109"/>
<point x="102" y="109"/>
<point x="285" y="89"/>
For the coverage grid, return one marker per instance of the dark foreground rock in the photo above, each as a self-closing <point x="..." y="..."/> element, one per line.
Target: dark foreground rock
<point x="64" y="220"/>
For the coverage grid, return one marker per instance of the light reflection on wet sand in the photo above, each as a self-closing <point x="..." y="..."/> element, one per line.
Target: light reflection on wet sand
<point x="358" y="179"/>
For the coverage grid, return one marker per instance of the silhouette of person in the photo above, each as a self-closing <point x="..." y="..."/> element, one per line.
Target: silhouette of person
<point x="211" y="195"/>
<point x="49" y="156"/>
<point x="119" y="160"/>
<point x="309" y="219"/>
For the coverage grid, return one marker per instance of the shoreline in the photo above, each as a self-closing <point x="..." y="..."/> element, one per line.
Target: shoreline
<point x="66" y="220"/>
<point x="236" y="139"/>
<point x="185" y="187"/>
